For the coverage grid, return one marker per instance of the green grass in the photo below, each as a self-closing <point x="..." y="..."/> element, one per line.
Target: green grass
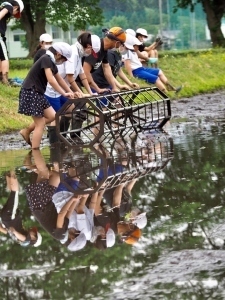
<point x="199" y="72"/>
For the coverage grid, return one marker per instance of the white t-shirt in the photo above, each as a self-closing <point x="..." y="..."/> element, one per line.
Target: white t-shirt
<point x="73" y="66"/>
<point x="134" y="60"/>
<point x="60" y="199"/>
<point x="83" y="222"/>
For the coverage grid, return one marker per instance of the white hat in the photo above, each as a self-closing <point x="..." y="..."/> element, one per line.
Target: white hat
<point x="63" y="48"/>
<point x="110" y="238"/>
<point x="142" y="31"/>
<point x="140" y="220"/>
<point x="78" y="243"/>
<point x="65" y="239"/>
<point x="38" y="241"/>
<point x="131" y="41"/>
<point x="45" y="37"/>
<point x="131" y="32"/>
<point x="95" y="43"/>
<point x="21" y="6"/>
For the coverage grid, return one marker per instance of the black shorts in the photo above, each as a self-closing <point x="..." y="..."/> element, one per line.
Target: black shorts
<point x="3" y="50"/>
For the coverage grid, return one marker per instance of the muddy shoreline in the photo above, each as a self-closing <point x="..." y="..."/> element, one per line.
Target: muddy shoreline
<point x="206" y="106"/>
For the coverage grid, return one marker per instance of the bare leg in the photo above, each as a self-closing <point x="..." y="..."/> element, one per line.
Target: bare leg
<point x="160" y="85"/>
<point x="49" y="116"/>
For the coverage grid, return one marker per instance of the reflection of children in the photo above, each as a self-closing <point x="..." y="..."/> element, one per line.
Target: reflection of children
<point x="11" y="217"/>
<point x="7" y="9"/>
<point x="39" y="196"/>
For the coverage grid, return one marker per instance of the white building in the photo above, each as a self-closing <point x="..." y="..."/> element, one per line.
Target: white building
<point x="14" y="37"/>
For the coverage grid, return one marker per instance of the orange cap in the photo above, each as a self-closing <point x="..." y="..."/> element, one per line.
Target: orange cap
<point x="133" y="237"/>
<point x="119" y="33"/>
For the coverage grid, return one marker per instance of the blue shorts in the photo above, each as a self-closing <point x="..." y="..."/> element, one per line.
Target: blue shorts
<point x="103" y="102"/>
<point x="70" y="181"/>
<point x="111" y="171"/>
<point x="148" y="74"/>
<point x="56" y="103"/>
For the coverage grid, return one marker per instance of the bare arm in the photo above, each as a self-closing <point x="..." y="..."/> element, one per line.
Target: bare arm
<point x="141" y="55"/>
<point x="85" y="83"/>
<point x="3" y="230"/>
<point x="64" y="212"/>
<point x="53" y="82"/>
<point x="117" y="195"/>
<point x="3" y="12"/>
<point x="126" y="80"/>
<point x="73" y="83"/>
<point x="62" y="83"/>
<point x="151" y="47"/>
<point x="18" y="235"/>
<point x="127" y="66"/>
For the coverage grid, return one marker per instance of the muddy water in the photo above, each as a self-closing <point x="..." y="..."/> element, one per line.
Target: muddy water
<point x="180" y="253"/>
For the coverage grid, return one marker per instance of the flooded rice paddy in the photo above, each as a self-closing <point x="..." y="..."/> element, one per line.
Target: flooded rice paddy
<point x="177" y="179"/>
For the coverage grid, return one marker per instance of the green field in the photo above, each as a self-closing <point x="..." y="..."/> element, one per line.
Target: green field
<point x="199" y="72"/>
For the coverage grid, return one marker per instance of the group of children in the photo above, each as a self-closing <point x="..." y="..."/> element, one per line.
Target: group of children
<point x="61" y="72"/>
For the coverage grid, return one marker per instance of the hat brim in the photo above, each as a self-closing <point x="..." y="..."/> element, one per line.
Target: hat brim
<point x="130" y="47"/>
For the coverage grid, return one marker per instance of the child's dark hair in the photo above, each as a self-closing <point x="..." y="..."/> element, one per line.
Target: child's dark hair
<point x="84" y="39"/>
<point x="138" y="34"/>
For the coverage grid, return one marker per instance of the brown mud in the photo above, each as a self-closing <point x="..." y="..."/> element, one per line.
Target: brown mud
<point x="210" y="107"/>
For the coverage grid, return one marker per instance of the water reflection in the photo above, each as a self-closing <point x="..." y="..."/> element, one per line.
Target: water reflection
<point x="175" y="181"/>
<point x="84" y="195"/>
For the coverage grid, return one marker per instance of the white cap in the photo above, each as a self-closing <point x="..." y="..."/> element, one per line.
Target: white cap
<point x="95" y="43"/>
<point x="142" y="31"/>
<point x="21" y="6"/>
<point x="131" y="32"/>
<point x="110" y="238"/>
<point x="65" y="239"/>
<point x="63" y="48"/>
<point x="131" y="41"/>
<point x="38" y="241"/>
<point x="45" y="37"/>
<point x="78" y="243"/>
<point x="140" y="220"/>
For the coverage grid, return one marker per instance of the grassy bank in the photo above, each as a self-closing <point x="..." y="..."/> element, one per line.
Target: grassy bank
<point x="199" y="72"/>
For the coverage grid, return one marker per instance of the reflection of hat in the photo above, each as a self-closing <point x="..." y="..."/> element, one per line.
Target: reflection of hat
<point x="118" y="34"/>
<point x="142" y="31"/>
<point x="65" y="239"/>
<point x="21" y="7"/>
<point x="45" y="37"/>
<point x="95" y="43"/>
<point x="29" y="242"/>
<point x="133" y="237"/>
<point x="63" y="48"/>
<point x="110" y="238"/>
<point x="38" y="241"/>
<point x="140" y="220"/>
<point x="78" y="243"/>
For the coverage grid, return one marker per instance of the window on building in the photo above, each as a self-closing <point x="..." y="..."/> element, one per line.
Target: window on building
<point x="18" y="35"/>
<point x="56" y="32"/>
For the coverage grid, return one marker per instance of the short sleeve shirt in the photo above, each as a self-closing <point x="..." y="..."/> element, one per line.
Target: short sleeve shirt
<point x="48" y="219"/>
<point x="4" y="20"/>
<point x="134" y="60"/>
<point x="115" y="61"/>
<point x="36" y="77"/>
<point x="101" y="57"/>
<point x="38" y="54"/>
